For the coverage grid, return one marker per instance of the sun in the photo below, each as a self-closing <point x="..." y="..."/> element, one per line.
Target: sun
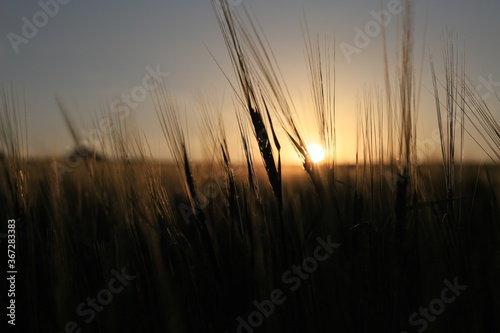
<point x="316" y="152"/>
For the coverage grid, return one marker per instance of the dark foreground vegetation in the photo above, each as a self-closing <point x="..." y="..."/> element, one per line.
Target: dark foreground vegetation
<point x="200" y="271"/>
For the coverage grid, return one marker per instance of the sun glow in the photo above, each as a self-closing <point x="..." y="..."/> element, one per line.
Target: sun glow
<point x="316" y="152"/>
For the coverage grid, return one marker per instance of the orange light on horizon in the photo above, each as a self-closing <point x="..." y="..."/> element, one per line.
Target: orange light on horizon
<point x="316" y="152"/>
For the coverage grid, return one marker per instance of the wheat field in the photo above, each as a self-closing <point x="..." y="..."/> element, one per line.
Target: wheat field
<point x="123" y="242"/>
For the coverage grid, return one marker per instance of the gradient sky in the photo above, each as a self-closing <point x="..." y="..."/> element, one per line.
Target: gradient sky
<point x="92" y="51"/>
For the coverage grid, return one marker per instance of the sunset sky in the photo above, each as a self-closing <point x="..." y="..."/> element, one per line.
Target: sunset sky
<point x="91" y="52"/>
